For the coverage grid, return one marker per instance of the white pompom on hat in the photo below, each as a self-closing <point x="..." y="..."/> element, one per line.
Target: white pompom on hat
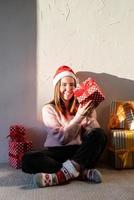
<point x="62" y="72"/>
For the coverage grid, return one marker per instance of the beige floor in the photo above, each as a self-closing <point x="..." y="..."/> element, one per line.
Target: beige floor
<point x="117" y="185"/>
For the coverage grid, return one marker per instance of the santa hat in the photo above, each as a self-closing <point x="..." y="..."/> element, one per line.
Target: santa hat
<point x="62" y="72"/>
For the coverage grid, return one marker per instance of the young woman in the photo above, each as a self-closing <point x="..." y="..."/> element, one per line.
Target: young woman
<point x="74" y="140"/>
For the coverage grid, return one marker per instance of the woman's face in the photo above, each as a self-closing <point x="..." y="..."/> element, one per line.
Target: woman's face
<point x="66" y="88"/>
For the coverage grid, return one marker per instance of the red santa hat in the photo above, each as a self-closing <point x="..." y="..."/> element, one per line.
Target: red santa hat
<point x="62" y="72"/>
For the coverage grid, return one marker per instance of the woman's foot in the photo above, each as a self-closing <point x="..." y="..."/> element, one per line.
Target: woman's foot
<point x="91" y="175"/>
<point x="66" y="173"/>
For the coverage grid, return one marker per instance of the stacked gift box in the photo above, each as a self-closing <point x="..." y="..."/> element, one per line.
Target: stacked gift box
<point x="18" y="145"/>
<point x="121" y="134"/>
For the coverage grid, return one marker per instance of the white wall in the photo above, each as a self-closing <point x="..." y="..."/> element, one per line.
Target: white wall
<point x="94" y="37"/>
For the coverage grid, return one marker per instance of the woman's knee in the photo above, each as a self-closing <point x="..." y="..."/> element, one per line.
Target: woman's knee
<point x="98" y="134"/>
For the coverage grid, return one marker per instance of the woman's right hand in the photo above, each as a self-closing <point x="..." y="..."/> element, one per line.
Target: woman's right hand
<point x="85" y="108"/>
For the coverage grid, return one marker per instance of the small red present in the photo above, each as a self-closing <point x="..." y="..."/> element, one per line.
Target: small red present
<point x="89" y="90"/>
<point x="16" y="151"/>
<point x="18" y="145"/>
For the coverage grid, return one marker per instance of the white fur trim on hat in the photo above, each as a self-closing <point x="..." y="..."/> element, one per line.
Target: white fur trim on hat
<point x="61" y="75"/>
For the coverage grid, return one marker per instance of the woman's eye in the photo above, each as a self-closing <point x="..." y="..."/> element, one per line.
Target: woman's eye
<point x="64" y="84"/>
<point x="72" y="84"/>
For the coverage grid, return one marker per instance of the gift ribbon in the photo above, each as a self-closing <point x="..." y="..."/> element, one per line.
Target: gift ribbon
<point x="129" y="105"/>
<point x="83" y="88"/>
<point x="122" y="154"/>
<point x="120" y="114"/>
<point x="114" y="121"/>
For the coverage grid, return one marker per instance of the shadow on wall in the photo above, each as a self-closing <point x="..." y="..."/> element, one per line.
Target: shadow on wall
<point x="37" y="136"/>
<point x="114" y="88"/>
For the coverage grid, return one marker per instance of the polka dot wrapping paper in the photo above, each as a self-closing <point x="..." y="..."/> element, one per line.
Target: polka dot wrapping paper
<point x="16" y="151"/>
<point x="89" y="90"/>
<point x="18" y="145"/>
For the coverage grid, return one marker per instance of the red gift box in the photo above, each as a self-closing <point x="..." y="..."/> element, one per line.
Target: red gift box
<point x="18" y="145"/>
<point x="17" y="133"/>
<point x="89" y="90"/>
<point x="16" y="151"/>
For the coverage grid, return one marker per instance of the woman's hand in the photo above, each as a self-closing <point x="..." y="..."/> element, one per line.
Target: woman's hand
<point x="85" y="108"/>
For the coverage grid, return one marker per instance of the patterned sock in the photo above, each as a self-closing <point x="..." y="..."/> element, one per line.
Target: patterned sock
<point x="91" y="175"/>
<point x="66" y="173"/>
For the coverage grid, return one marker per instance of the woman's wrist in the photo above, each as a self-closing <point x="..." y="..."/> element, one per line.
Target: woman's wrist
<point x="83" y="115"/>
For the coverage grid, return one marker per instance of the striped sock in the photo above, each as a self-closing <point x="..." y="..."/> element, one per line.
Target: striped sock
<point x="66" y="173"/>
<point x="91" y="175"/>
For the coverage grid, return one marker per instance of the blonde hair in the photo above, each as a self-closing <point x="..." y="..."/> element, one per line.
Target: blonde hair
<point x="59" y="103"/>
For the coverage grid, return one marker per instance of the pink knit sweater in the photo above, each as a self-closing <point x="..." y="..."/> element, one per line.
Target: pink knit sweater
<point x="65" y="131"/>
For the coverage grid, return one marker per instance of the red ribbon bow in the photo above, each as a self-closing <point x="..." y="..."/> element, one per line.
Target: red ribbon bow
<point x="84" y="87"/>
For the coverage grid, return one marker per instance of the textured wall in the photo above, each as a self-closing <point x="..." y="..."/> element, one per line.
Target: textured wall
<point x="95" y="37"/>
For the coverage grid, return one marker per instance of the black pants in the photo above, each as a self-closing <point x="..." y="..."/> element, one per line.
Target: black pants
<point x="50" y="159"/>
